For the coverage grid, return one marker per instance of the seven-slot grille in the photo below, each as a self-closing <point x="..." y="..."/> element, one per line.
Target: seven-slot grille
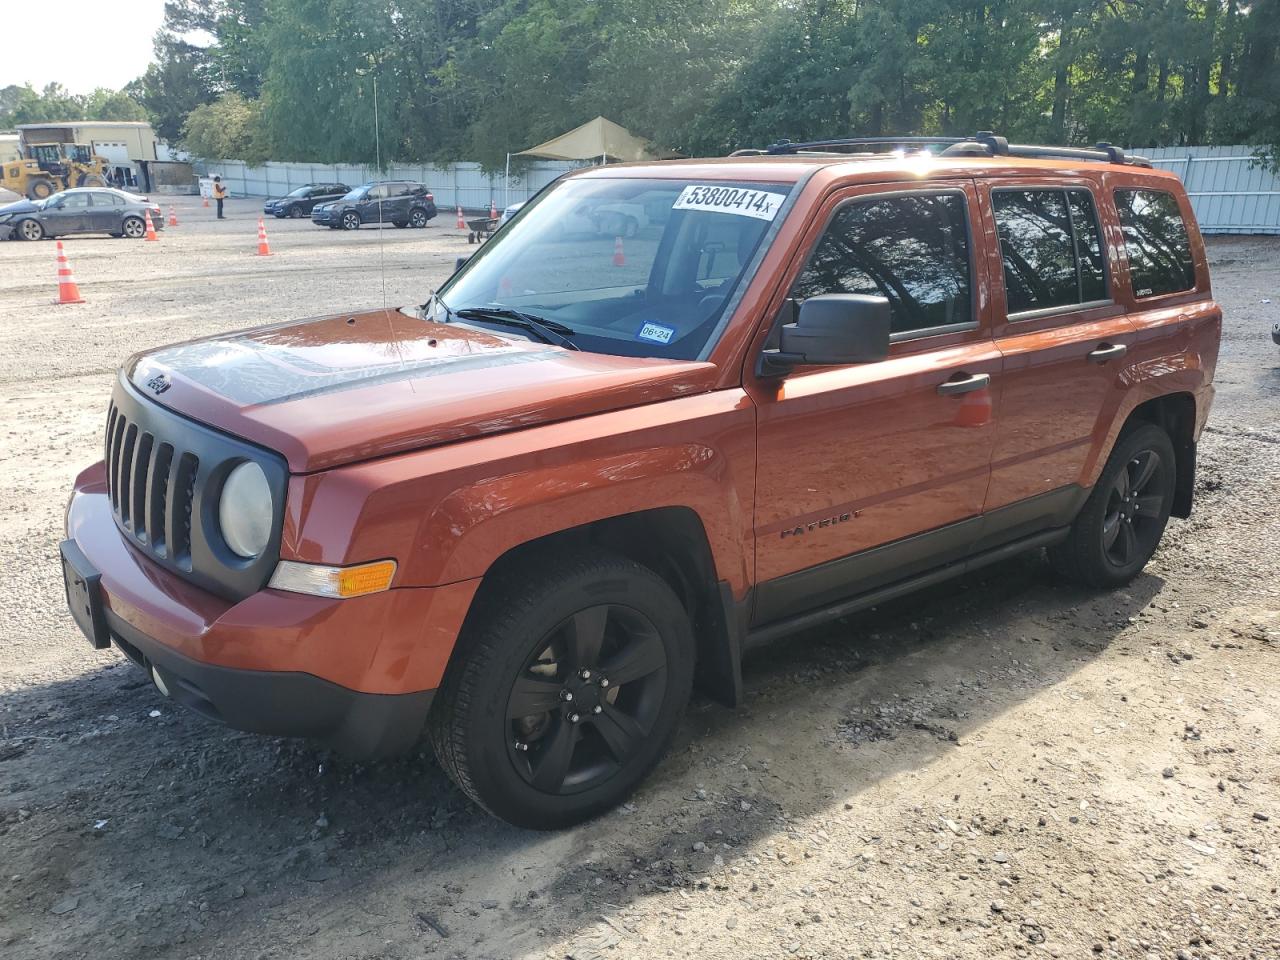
<point x="152" y="488"/>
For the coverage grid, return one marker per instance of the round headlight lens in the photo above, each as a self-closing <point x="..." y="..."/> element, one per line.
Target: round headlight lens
<point x="244" y="512"/>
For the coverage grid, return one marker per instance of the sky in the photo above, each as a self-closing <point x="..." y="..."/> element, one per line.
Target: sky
<point x="93" y="45"/>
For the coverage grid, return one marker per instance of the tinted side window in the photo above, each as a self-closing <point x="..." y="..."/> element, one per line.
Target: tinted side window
<point x="1155" y="237"/>
<point x="377" y="192"/>
<point x="1051" y="248"/>
<point x="912" y="249"/>
<point x="1084" y="220"/>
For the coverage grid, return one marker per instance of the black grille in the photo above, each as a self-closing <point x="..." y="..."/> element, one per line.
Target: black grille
<point x="152" y="486"/>
<point x="164" y="477"/>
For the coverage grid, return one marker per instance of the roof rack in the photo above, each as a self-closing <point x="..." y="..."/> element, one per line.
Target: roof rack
<point x="983" y="144"/>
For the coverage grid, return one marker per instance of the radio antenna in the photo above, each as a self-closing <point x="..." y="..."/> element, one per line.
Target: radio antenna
<point x="377" y="146"/>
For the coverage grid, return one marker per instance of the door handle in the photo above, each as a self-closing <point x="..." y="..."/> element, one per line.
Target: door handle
<point x="1108" y="351"/>
<point x="951" y="388"/>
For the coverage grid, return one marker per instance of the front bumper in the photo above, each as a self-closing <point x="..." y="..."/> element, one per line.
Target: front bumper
<point x="326" y="218"/>
<point x="358" y="674"/>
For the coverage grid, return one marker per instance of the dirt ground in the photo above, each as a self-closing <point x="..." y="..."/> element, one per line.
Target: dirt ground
<point x="1007" y="767"/>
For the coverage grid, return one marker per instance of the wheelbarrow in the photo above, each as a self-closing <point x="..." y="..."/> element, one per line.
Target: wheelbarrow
<point x="481" y="228"/>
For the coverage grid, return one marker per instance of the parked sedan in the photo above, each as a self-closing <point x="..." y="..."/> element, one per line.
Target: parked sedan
<point x="402" y="202"/>
<point x="299" y="203"/>
<point x="81" y="210"/>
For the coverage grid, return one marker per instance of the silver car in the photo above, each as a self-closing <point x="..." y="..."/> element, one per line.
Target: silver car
<point x="81" y="210"/>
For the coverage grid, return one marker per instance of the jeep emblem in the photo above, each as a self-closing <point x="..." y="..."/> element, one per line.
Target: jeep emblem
<point x="159" y="383"/>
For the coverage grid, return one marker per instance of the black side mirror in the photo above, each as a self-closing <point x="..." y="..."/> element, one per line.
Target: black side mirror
<point x="831" y="330"/>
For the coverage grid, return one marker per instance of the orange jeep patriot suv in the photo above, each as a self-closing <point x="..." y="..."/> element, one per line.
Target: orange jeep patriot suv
<point x="530" y="514"/>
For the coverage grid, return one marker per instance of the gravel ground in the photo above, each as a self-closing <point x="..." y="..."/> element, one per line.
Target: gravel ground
<point x="1006" y="767"/>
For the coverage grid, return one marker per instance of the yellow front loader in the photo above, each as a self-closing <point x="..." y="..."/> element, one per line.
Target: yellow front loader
<point x="46" y="168"/>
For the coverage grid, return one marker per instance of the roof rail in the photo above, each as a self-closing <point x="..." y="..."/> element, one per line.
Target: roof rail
<point x="983" y="143"/>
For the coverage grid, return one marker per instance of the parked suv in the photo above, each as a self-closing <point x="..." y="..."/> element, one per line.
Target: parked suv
<point x="402" y="202"/>
<point x="300" y="202"/>
<point x="531" y="513"/>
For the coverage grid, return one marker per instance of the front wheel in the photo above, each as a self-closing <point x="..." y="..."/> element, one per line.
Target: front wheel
<point x="1124" y="518"/>
<point x="39" y="189"/>
<point x="566" y="691"/>
<point x="31" y="230"/>
<point x="295" y="212"/>
<point x="351" y="221"/>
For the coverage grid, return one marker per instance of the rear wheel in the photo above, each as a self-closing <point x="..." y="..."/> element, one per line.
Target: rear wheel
<point x="30" y="230"/>
<point x="1124" y="518"/>
<point x="92" y="180"/>
<point x="566" y="691"/>
<point x="39" y="189"/>
<point x="133" y="228"/>
<point x="351" y="220"/>
<point x="418" y="219"/>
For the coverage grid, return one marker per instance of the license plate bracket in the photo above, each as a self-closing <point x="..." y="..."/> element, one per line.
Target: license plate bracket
<point x="84" y="594"/>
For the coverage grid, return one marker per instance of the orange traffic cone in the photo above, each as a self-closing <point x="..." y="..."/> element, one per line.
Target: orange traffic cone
<point x="493" y="210"/>
<point x="619" y="258"/>
<point x="68" y="292"/>
<point x="173" y="216"/>
<point x="151" y="227"/>
<point x="263" y="249"/>
<point x="204" y="201"/>
<point x="462" y="224"/>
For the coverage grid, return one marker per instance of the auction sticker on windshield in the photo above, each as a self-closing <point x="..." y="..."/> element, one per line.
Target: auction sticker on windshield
<point x="743" y="201"/>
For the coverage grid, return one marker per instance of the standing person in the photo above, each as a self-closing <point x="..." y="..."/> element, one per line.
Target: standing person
<point x="219" y="194"/>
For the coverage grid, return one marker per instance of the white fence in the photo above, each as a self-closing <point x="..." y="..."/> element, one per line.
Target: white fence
<point x="453" y="184"/>
<point x="1230" y="191"/>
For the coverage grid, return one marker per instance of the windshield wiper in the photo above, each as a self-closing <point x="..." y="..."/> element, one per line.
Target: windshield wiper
<point x="548" y="331"/>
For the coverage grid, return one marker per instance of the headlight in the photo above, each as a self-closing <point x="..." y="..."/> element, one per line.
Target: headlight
<point x="244" y="510"/>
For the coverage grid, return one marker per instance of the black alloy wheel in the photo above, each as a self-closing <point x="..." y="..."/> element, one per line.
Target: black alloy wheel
<point x="586" y="700"/>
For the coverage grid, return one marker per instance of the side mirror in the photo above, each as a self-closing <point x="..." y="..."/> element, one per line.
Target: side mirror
<point x="830" y="330"/>
<point x="461" y="262"/>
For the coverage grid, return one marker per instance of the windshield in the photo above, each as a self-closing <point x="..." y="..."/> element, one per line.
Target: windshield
<point x="301" y="191"/>
<point x="632" y="267"/>
<point x="357" y="193"/>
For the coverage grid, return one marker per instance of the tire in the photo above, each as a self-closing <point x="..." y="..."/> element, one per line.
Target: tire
<point x="519" y="645"/>
<point x="295" y="212"/>
<point x="133" y="228"/>
<point x="417" y="219"/>
<point x="91" y="180"/>
<point x="351" y="220"/>
<point x="29" y="230"/>
<point x="400" y="224"/>
<point x="1122" y="521"/>
<point x="39" y="189"/>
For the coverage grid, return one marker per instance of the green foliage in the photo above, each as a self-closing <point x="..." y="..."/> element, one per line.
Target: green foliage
<point x="23" y="104"/>
<point x="474" y="79"/>
<point x="229" y="128"/>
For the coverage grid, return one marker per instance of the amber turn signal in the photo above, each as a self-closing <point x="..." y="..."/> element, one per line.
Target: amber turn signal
<point x="338" y="582"/>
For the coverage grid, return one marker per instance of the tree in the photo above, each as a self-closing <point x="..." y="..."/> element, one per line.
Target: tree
<point x="227" y="129"/>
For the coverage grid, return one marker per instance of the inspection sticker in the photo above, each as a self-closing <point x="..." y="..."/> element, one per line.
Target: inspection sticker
<point x="656" y="333"/>
<point x="742" y="201"/>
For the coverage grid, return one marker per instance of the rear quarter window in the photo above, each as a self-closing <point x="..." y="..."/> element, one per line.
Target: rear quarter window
<point x="1156" y="240"/>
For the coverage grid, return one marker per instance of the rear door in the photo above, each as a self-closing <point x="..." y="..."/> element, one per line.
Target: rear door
<point x="104" y="212"/>
<point x="870" y="473"/>
<point x="1063" y="338"/>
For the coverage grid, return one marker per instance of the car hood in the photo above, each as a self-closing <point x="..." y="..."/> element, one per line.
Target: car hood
<point x="18" y="206"/>
<point x="339" y="389"/>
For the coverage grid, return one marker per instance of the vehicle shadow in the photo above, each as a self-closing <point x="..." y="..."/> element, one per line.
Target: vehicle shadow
<point x="132" y="834"/>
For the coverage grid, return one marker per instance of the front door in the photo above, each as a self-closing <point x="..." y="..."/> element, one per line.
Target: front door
<point x="67" y="213"/>
<point x="872" y="472"/>
<point x="1063" y="338"/>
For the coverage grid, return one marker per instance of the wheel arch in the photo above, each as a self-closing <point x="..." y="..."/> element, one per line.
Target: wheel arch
<point x="1175" y="413"/>
<point x="672" y="542"/>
